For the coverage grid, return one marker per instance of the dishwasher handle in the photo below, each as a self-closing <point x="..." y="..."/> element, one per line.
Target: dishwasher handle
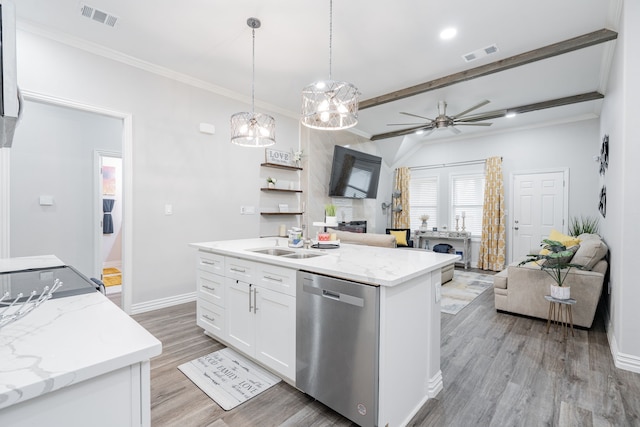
<point x="329" y="294"/>
<point x="342" y="297"/>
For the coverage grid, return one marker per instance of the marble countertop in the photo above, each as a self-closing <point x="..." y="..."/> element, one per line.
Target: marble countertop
<point x="66" y="341"/>
<point x="366" y="264"/>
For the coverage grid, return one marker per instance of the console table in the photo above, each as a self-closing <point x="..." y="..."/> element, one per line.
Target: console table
<point x="463" y="236"/>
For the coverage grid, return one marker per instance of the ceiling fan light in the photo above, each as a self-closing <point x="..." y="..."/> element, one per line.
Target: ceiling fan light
<point x="253" y="129"/>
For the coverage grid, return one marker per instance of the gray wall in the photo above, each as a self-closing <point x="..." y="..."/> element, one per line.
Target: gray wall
<point x="53" y="155"/>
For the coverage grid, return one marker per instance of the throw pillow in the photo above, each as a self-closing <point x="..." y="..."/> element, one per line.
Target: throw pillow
<point x="567" y="241"/>
<point x="401" y="237"/>
<point x="590" y="253"/>
<point x="562" y="260"/>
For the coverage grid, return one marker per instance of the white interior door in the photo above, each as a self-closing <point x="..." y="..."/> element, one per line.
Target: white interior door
<point x="539" y="205"/>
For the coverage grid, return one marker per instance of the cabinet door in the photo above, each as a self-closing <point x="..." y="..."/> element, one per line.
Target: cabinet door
<point x="275" y="333"/>
<point x="240" y="318"/>
<point x="211" y="318"/>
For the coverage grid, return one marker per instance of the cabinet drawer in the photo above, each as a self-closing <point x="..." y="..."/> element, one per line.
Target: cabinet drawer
<point x="211" y="318"/>
<point x="211" y="287"/>
<point x="279" y="279"/>
<point x="210" y="262"/>
<point x="239" y="269"/>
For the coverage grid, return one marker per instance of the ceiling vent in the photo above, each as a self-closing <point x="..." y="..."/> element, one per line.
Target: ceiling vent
<point x="477" y="54"/>
<point x="98" y="15"/>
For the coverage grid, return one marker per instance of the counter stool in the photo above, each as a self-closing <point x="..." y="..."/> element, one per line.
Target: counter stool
<point x="557" y="316"/>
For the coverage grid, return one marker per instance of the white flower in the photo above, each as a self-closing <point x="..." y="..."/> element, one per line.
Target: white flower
<point x="424" y="217"/>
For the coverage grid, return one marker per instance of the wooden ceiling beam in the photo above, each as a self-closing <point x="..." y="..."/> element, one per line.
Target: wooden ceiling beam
<point x="566" y="46"/>
<point x="567" y="100"/>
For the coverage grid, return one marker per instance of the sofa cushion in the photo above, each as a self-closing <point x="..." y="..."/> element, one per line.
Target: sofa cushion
<point x="590" y="252"/>
<point x="401" y="237"/>
<point x="369" y="239"/>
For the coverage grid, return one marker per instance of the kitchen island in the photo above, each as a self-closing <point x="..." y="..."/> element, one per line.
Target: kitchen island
<point x="74" y="361"/>
<point x="409" y="313"/>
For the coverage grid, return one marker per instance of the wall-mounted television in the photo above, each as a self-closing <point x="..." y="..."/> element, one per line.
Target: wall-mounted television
<point x="354" y="174"/>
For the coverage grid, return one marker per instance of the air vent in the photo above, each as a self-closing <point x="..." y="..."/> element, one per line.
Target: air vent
<point x="477" y="54"/>
<point x="98" y="15"/>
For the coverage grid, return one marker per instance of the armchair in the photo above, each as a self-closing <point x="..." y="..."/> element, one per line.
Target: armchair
<point x="399" y="233"/>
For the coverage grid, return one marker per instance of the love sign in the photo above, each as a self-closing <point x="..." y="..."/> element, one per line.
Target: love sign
<point x="278" y="157"/>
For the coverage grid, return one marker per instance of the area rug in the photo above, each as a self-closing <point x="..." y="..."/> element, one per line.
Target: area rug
<point x="462" y="289"/>
<point x="228" y="378"/>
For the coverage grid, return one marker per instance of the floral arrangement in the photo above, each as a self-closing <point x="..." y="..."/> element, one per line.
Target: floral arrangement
<point x="271" y="180"/>
<point x="424" y="218"/>
<point x="296" y="156"/>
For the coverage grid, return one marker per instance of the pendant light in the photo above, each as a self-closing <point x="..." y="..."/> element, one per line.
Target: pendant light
<point x="330" y="104"/>
<point x="253" y="129"/>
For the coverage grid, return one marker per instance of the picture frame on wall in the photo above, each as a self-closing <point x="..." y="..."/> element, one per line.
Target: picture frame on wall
<point x="604" y="155"/>
<point x="278" y="157"/>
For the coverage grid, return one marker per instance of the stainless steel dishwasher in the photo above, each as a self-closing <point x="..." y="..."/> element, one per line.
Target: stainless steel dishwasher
<point x="337" y="336"/>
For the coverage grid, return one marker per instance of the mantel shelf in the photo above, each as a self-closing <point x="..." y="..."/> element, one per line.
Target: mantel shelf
<point x="280" y="213"/>
<point x="284" y="190"/>
<point x="277" y="166"/>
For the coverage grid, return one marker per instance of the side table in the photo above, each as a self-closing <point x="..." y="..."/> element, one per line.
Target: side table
<point x="557" y="316"/>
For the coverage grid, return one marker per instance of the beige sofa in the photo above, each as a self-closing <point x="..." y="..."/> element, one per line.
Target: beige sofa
<point x="521" y="289"/>
<point x="384" y="240"/>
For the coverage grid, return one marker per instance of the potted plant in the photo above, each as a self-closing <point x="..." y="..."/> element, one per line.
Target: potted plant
<point x="582" y="225"/>
<point x="557" y="264"/>
<point x="330" y="214"/>
<point x="271" y="182"/>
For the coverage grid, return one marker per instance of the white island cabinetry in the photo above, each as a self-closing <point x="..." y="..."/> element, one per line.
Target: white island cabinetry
<point x="259" y="312"/>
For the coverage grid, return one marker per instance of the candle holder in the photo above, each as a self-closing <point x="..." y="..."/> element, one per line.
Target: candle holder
<point x="462" y="223"/>
<point x="457" y="228"/>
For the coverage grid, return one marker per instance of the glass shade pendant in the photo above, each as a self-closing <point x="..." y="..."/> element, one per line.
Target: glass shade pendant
<point x="253" y="129"/>
<point x="330" y="104"/>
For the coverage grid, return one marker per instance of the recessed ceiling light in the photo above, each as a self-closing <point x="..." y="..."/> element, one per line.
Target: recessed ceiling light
<point x="419" y="132"/>
<point x="448" y="33"/>
<point x="510" y="115"/>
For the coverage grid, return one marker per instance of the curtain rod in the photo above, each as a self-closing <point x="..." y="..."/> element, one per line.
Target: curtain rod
<point x="448" y="165"/>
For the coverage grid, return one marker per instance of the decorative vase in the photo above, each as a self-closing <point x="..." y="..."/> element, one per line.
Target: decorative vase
<point x="271" y="185"/>
<point x="331" y="220"/>
<point x="423" y="226"/>
<point x="560" y="292"/>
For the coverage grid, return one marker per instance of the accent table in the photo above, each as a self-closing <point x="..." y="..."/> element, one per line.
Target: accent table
<point x="556" y="313"/>
<point x="464" y="236"/>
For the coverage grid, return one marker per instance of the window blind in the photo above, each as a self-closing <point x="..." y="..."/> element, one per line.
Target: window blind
<point x="467" y="195"/>
<point x="423" y="196"/>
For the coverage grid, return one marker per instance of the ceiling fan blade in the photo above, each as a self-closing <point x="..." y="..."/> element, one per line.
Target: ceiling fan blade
<point x="473" y="124"/>
<point x="405" y="124"/>
<point x="454" y="130"/>
<point x="415" y="115"/>
<point x="468" y="110"/>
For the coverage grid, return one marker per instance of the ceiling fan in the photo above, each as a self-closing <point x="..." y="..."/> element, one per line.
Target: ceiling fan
<point x="443" y="121"/>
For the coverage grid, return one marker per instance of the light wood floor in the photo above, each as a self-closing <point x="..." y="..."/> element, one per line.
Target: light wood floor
<point x="498" y="370"/>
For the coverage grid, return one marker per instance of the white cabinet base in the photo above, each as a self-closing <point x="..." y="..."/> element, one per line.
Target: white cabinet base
<point x="119" y="398"/>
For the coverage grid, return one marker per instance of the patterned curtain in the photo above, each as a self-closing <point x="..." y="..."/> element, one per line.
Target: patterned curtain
<point x="401" y="204"/>
<point x="493" y="241"/>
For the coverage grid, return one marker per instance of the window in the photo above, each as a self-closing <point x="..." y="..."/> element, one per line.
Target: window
<point x="423" y="198"/>
<point x="467" y="198"/>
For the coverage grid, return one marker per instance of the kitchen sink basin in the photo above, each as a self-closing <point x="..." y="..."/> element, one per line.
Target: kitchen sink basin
<point x="273" y="251"/>
<point x="302" y="255"/>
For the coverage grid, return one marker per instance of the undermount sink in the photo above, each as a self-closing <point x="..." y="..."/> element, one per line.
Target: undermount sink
<point x="286" y="253"/>
<point x="273" y="251"/>
<point x="302" y="255"/>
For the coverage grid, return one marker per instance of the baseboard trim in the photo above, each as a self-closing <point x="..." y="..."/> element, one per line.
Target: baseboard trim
<point x="143" y="307"/>
<point x="435" y="385"/>
<point x="624" y="361"/>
